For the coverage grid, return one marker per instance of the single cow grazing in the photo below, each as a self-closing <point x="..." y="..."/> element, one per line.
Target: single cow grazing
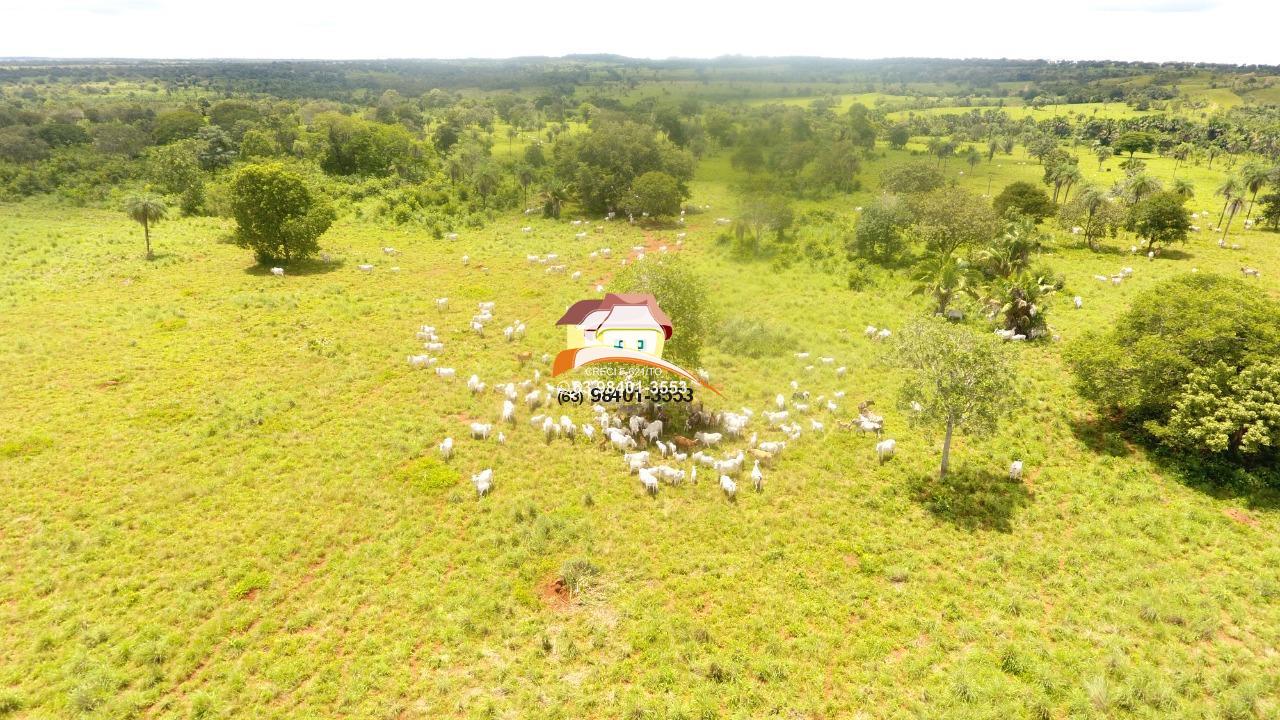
<point x="483" y="482"/>
<point x="729" y="487"/>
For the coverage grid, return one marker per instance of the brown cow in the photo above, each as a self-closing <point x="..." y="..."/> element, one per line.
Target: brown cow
<point x="684" y="443"/>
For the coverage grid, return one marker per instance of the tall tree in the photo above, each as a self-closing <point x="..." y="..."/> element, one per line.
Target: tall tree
<point x="956" y="379"/>
<point x="1103" y="153"/>
<point x="146" y="209"/>
<point x="1255" y="176"/>
<point x="1233" y="206"/>
<point x="1227" y="190"/>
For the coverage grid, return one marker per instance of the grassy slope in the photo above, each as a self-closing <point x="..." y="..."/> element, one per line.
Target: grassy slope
<point x="218" y="496"/>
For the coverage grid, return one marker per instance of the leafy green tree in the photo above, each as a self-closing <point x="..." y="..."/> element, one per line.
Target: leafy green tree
<point x="878" y="235"/>
<point x="359" y="147"/>
<point x="655" y="193"/>
<point x="956" y="380"/>
<point x="951" y="218"/>
<point x="1134" y="141"/>
<point x="63" y="134"/>
<point x="1024" y="198"/>
<point x="216" y="149"/>
<point x="116" y="138"/>
<point x="1135" y="369"/>
<point x="176" y="125"/>
<point x="257" y="143"/>
<point x="1041" y="146"/>
<point x="1094" y="213"/>
<point x="277" y="215"/>
<point x="146" y="209"/>
<point x="899" y="135"/>
<point x="1226" y="411"/>
<point x="760" y="213"/>
<point x="534" y="157"/>
<point x="911" y="177"/>
<point x="748" y="157"/>
<point x="20" y="145"/>
<point x="226" y="114"/>
<point x="682" y="295"/>
<point x="1271" y="210"/>
<point x="602" y="164"/>
<point x="175" y="169"/>
<point x="1160" y="218"/>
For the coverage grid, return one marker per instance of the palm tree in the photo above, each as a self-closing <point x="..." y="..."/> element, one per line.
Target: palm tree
<point x="1140" y="185"/>
<point x="1070" y="176"/>
<point x="1210" y="153"/>
<point x="1022" y="296"/>
<point x="1228" y="189"/>
<point x="1234" y="205"/>
<point x="1093" y="198"/>
<point x="554" y="196"/>
<point x="1180" y="153"/>
<point x="1011" y="252"/>
<point x="942" y="277"/>
<point x="146" y="208"/>
<point x="1103" y="153"/>
<point x="1185" y="188"/>
<point x="1255" y="176"/>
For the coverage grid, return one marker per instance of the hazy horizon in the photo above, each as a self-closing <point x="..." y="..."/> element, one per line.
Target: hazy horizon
<point x="1192" y="31"/>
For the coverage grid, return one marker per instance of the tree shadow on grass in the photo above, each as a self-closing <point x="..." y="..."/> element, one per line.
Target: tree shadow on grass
<point x="973" y="499"/>
<point x="1101" y="436"/>
<point x="1172" y="254"/>
<point x="1257" y="488"/>
<point x="310" y="266"/>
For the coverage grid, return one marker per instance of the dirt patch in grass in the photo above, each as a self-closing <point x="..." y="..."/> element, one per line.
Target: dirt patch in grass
<point x="1241" y="516"/>
<point x="555" y="593"/>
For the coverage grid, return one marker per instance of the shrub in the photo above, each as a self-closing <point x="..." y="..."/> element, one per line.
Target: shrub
<point x="745" y="337"/>
<point x="682" y="295"/>
<point x="913" y="177"/>
<point x="277" y="215"/>
<point x="1026" y="199"/>
<point x="1155" y="366"/>
<point x="859" y="277"/>
<point x="655" y="193"/>
<point x="878" y="235"/>
<point x="577" y="574"/>
<point x="1160" y="218"/>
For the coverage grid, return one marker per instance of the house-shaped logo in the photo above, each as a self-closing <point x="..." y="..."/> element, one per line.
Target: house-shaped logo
<point x="618" y="328"/>
<point x="622" y="322"/>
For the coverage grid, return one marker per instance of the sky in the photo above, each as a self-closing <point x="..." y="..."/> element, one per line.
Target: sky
<point x="1225" y="31"/>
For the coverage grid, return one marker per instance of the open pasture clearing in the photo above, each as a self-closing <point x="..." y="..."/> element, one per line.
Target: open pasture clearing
<point x="221" y="498"/>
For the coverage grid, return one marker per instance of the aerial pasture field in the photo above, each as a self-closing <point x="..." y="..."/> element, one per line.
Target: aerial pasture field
<point x="221" y="493"/>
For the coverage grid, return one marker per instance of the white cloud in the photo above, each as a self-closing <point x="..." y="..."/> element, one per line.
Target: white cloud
<point x="1157" y="30"/>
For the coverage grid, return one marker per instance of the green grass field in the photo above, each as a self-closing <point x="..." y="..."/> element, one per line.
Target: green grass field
<point x="220" y="497"/>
